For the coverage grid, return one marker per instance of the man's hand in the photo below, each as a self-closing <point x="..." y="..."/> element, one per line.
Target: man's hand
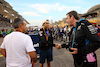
<point x="75" y="51"/>
<point x="3" y="52"/>
<point x="33" y="64"/>
<point x="58" y="46"/>
<point x="33" y="57"/>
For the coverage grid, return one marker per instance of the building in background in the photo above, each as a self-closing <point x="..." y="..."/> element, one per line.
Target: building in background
<point x="60" y="23"/>
<point x="93" y="15"/>
<point x="7" y="15"/>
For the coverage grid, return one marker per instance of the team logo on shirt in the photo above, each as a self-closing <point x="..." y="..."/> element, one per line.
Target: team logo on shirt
<point x="82" y="24"/>
<point x="41" y="33"/>
<point x="91" y="29"/>
<point x="79" y="27"/>
<point x="47" y="32"/>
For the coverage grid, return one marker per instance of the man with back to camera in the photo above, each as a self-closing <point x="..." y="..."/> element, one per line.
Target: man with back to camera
<point x="17" y="47"/>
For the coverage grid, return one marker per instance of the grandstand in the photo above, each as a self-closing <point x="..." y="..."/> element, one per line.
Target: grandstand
<point x="7" y="15"/>
<point x="93" y="14"/>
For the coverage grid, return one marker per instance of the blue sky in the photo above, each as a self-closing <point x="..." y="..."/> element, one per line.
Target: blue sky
<point x="35" y="11"/>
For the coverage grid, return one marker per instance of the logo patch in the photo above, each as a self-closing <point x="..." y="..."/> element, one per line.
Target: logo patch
<point x="91" y="29"/>
<point x="47" y="33"/>
<point x="41" y="33"/>
<point x="79" y="27"/>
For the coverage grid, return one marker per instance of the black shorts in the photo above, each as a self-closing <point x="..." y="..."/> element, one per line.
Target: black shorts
<point x="46" y="54"/>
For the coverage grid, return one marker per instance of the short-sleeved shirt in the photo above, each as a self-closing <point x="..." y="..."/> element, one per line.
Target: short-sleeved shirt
<point x="17" y="46"/>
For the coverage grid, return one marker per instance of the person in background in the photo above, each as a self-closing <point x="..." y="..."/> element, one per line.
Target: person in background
<point x="61" y="33"/>
<point x="98" y="30"/>
<point x="4" y="33"/>
<point x="7" y="32"/>
<point x="17" y="47"/>
<point x="1" y="34"/>
<point x="11" y="30"/>
<point x="56" y="33"/>
<point x="95" y="27"/>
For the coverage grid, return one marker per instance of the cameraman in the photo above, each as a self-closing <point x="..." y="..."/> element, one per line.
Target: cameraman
<point x="87" y="41"/>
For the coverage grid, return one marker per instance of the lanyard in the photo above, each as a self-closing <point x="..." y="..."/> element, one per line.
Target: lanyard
<point x="45" y="34"/>
<point x="75" y="31"/>
<point x="74" y="34"/>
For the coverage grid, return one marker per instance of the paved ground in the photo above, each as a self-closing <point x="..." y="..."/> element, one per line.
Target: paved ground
<point x="61" y="58"/>
<point x="2" y="59"/>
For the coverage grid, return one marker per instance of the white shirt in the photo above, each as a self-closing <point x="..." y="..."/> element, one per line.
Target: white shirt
<point x="69" y="29"/>
<point x="64" y="29"/>
<point x="17" y="46"/>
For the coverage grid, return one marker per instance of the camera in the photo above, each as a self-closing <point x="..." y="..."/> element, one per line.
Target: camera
<point x="69" y="45"/>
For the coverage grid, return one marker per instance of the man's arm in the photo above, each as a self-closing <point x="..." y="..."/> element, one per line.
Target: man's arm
<point x="94" y="41"/>
<point x="3" y="52"/>
<point x="31" y="50"/>
<point x="33" y="56"/>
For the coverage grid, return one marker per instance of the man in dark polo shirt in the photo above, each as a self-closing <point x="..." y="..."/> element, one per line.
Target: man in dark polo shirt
<point x="46" y="44"/>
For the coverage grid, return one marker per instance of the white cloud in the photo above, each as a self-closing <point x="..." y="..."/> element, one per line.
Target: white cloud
<point x="85" y="10"/>
<point x="62" y="8"/>
<point x="35" y="23"/>
<point x="45" y="8"/>
<point x="68" y="8"/>
<point x="49" y="18"/>
<point x="38" y="22"/>
<point x="78" y="0"/>
<point x="30" y="14"/>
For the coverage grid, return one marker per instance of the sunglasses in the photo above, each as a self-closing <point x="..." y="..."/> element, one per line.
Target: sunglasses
<point x="47" y="23"/>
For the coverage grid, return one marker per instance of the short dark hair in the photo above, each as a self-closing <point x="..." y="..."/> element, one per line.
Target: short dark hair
<point x="17" y="22"/>
<point x="74" y="13"/>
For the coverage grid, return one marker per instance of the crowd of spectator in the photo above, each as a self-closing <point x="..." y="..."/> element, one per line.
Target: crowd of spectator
<point x="91" y="16"/>
<point x="5" y="32"/>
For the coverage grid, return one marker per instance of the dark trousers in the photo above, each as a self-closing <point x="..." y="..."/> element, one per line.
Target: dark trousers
<point x="86" y="64"/>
